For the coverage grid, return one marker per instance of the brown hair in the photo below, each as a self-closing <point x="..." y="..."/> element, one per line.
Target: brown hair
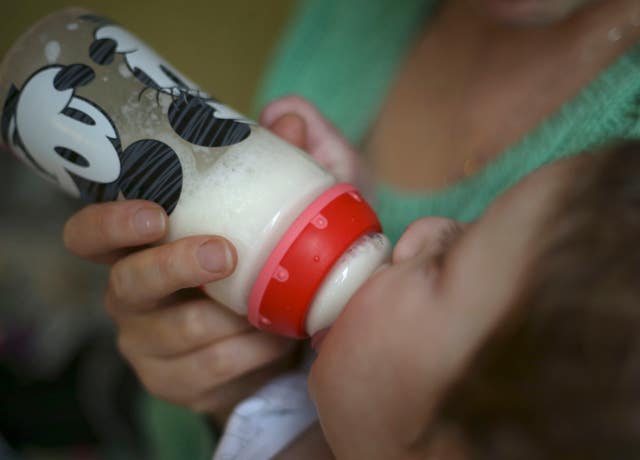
<point x="560" y="379"/>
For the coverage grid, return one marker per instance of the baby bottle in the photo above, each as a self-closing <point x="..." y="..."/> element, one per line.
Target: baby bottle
<point x="91" y="108"/>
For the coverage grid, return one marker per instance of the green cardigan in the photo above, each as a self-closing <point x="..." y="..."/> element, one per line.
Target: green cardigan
<point x="343" y="54"/>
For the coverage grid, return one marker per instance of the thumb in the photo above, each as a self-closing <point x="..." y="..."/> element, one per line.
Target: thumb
<point x="292" y="128"/>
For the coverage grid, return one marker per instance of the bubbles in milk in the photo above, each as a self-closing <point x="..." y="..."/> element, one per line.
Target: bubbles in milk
<point x="249" y="193"/>
<point x="141" y="111"/>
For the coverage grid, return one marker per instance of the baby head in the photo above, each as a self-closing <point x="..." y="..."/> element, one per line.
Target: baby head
<point x="513" y="337"/>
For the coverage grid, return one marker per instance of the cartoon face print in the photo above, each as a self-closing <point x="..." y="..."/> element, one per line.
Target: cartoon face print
<point x="198" y="121"/>
<point x="68" y="136"/>
<point x="72" y="142"/>
<point x="145" y="64"/>
<point x="151" y="171"/>
<point x="194" y="115"/>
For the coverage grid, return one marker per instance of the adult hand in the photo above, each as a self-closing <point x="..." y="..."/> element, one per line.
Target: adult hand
<point x="185" y="347"/>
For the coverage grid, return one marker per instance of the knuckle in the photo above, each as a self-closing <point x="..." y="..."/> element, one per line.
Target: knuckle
<point x="112" y="227"/>
<point x="175" y="265"/>
<point x="102" y="223"/>
<point x="167" y="264"/>
<point x="162" y="270"/>
<point x="192" y="326"/>
<point x="219" y="365"/>
<point x="117" y="286"/>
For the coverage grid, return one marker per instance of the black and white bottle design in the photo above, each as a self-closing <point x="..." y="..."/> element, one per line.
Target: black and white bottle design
<point x="71" y="141"/>
<point x="93" y="109"/>
<point x="194" y="115"/>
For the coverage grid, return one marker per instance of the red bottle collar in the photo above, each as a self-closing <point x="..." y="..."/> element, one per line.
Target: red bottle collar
<point x="288" y="281"/>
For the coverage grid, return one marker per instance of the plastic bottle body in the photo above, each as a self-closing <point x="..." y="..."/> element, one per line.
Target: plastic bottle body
<point x="91" y="108"/>
<point x="250" y="195"/>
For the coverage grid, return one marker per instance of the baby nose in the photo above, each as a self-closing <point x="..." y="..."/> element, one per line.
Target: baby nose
<point x="421" y="235"/>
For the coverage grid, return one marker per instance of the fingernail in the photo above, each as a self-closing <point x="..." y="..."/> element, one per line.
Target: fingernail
<point x="215" y="256"/>
<point x="148" y="222"/>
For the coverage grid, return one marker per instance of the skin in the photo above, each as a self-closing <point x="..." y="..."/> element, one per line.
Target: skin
<point x="189" y="350"/>
<point x="371" y="382"/>
<point x="185" y="347"/>
<point x="472" y="86"/>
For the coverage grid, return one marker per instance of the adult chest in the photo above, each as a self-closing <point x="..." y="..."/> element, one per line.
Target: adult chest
<point x="467" y="91"/>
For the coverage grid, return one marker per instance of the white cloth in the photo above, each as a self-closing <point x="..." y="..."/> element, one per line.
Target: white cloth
<point x="264" y="424"/>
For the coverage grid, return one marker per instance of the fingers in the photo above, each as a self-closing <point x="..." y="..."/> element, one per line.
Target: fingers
<point x="190" y="377"/>
<point x="178" y="329"/>
<point x="292" y="128"/>
<point x="322" y="140"/>
<point x="199" y="354"/>
<point x="138" y="281"/>
<point x="221" y="400"/>
<point x="100" y="231"/>
<point x="428" y="233"/>
<point x="317" y="125"/>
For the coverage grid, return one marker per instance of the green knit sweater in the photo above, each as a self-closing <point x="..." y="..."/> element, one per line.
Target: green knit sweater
<point x="343" y="54"/>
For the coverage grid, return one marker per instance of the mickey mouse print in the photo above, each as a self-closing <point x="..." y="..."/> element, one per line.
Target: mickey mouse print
<point x="67" y="118"/>
<point x="194" y="115"/>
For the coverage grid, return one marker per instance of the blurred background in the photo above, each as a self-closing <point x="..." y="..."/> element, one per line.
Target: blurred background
<point x="64" y="391"/>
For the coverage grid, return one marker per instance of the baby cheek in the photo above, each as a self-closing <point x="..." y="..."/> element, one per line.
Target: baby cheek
<point x="331" y="387"/>
<point x="348" y="359"/>
<point x="364" y="379"/>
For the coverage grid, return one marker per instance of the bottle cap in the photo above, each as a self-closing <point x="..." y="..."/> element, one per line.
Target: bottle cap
<point x="288" y="281"/>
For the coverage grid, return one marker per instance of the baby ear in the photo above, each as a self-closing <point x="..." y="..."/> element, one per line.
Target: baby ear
<point x="73" y="76"/>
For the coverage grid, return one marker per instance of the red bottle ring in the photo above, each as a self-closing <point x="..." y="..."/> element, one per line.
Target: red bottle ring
<point x="288" y="281"/>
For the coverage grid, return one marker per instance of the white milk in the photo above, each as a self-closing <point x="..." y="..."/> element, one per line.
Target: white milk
<point x="357" y="264"/>
<point x="251" y="195"/>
